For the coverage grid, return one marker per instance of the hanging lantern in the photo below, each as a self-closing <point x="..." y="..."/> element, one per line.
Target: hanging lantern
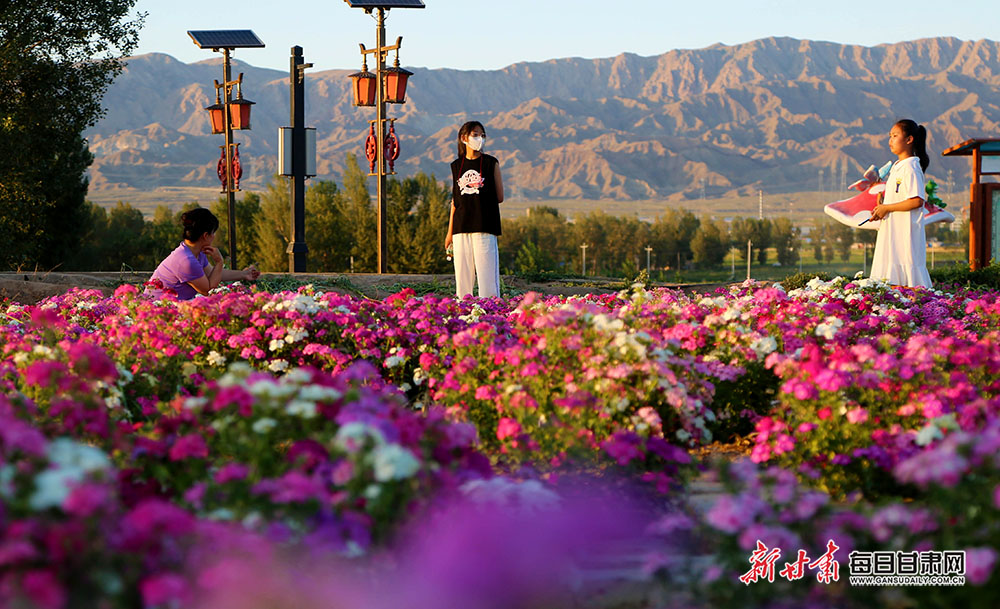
<point x="395" y="82"/>
<point x="239" y="108"/>
<point x="216" y="113"/>
<point x="363" y="85"/>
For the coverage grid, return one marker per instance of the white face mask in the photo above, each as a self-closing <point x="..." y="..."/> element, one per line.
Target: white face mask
<point x="475" y="142"/>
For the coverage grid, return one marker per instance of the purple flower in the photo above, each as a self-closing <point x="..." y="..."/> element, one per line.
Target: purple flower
<point x="979" y="563"/>
<point x="189" y="447"/>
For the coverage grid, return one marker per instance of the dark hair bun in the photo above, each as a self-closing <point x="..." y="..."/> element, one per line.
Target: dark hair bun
<point x="197" y="222"/>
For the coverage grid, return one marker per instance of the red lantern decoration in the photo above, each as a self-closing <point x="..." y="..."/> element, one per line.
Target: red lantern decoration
<point x="239" y="108"/>
<point x="239" y="113"/>
<point x="363" y="85"/>
<point x="216" y="114"/>
<point x="395" y="84"/>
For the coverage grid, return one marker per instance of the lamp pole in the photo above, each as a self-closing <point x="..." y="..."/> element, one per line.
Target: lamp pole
<point x="648" y="250"/>
<point x="583" y="247"/>
<point x="297" y="249"/>
<point x="749" y="256"/>
<point x="383" y="250"/>
<point x="230" y="193"/>
<point x="226" y="41"/>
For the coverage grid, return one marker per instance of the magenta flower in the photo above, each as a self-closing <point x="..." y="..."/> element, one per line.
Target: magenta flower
<point x="189" y="447"/>
<point x="507" y="428"/>
<point x="979" y="564"/>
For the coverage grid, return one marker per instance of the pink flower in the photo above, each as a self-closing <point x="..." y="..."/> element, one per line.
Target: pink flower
<point x="164" y="589"/>
<point x="857" y="415"/>
<point x="979" y="563"/>
<point x="507" y="427"/>
<point x="189" y="447"/>
<point x="43" y="589"/>
<point x="230" y="472"/>
<point x="85" y="499"/>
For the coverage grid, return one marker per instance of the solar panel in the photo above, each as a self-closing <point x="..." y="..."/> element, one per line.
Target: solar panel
<point x="226" y="39"/>
<point x="385" y="3"/>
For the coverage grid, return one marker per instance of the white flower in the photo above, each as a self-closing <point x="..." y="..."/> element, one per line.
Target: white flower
<point x="7" y="480"/>
<point x="53" y="486"/>
<point x="302" y="408"/>
<point x="294" y="335"/>
<point x="352" y="436"/>
<point x="67" y="453"/>
<point x="394" y="360"/>
<point x="319" y="393"/>
<point x="764" y="345"/>
<point x="264" y="425"/>
<point x="419" y="376"/>
<point x="828" y="329"/>
<point x="277" y="365"/>
<point x="216" y="359"/>
<point x="393" y="462"/>
<point x="275" y="344"/>
<point x="195" y="403"/>
<point x="298" y="376"/>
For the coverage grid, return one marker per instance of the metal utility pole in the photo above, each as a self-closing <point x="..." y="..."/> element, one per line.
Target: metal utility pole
<point x="584" y="248"/>
<point x="649" y="249"/>
<point x="297" y="249"/>
<point x="381" y="237"/>
<point x="749" y="257"/>
<point x="760" y="204"/>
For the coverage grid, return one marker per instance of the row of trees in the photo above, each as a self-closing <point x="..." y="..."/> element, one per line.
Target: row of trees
<point x="56" y="61"/>
<point x="340" y="232"/>
<point x="340" y="228"/>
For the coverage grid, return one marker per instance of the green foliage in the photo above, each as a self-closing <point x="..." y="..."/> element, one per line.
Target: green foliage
<point x="738" y="403"/>
<point x="799" y="280"/>
<point x="757" y="232"/>
<point x="247" y="209"/>
<point x="962" y="275"/>
<point x="56" y="61"/>
<point x="711" y="243"/>
<point x="360" y="217"/>
<point x="272" y="227"/>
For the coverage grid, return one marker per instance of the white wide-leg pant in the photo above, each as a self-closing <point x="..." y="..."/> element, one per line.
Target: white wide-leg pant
<point x="476" y="257"/>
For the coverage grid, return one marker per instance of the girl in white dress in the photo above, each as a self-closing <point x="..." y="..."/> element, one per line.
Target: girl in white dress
<point x="901" y="246"/>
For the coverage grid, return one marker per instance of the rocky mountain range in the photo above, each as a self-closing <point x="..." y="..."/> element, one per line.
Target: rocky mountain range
<point x="777" y="114"/>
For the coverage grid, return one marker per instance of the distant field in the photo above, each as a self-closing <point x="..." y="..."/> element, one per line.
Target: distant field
<point x="147" y="200"/>
<point x="801" y="207"/>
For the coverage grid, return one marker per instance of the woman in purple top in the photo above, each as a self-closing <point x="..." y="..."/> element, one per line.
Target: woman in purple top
<point x="186" y="271"/>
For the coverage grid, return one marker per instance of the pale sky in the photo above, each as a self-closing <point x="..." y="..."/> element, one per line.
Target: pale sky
<point x="492" y="34"/>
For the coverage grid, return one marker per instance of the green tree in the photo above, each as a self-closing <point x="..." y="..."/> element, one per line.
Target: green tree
<point x="326" y="230"/>
<point x="758" y="232"/>
<point x="710" y="243"/>
<point x="163" y="233"/>
<point x="431" y="218"/>
<point x="57" y="58"/>
<point x="842" y="238"/>
<point x="247" y="209"/>
<point x="671" y="235"/>
<point x="359" y="216"/>
<point x="786" y="239"/>
<point x="126" y="240"/>
<point x="272" y="227"/>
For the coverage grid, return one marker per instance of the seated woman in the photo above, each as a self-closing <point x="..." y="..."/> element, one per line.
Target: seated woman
<point x="186" y="271"/>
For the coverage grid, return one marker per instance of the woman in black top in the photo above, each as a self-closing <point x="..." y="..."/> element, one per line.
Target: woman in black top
<point x="477" y="191"/>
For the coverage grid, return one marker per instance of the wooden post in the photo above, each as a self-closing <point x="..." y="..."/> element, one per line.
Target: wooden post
<point x="975" y="215"/>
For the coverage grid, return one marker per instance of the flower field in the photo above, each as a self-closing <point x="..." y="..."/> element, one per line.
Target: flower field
<point x="308" y="449"/>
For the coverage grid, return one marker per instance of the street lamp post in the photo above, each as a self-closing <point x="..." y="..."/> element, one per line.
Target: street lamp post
<point x="297" y="159"/>
<point x="583" y="247"/>
<point x="378" y="146"/>
<point x="234" y="113"/>
<point x="648" y="250"/>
